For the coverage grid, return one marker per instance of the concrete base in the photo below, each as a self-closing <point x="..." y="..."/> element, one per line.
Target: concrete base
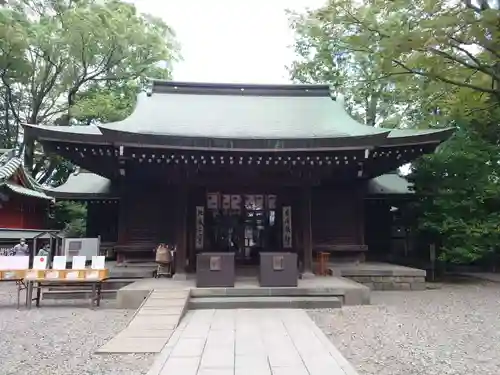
<point x="179" y="276"/>
<point x="215" y="270"/>
<point x="381" y="276"/>
<point x="307" y="275"/>
<point x="284" y="274"/>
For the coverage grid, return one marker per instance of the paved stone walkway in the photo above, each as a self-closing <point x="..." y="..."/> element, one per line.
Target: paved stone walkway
<point x="249" y="342"/>
<point x="152" y="325"/>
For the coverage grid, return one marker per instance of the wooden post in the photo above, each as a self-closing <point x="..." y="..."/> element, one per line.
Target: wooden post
<point x="307" y="232"/>
<point x="181" y="233"/>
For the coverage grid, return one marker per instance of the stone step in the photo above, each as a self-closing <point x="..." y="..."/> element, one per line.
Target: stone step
<point x="76" y="294"/>
<point x="270" y="302"/>
<point x="266" y="292"/>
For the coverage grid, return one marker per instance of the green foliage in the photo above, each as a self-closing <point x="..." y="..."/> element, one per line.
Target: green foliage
<point x="82" y="59"/>
<point x="421" y="64"/>
<point x="416" y="62"/>
<point x="112" y="100"/>
<point x="376" y="94"/>
<point x="70" y="217"/>
<point x="458" y="198"/>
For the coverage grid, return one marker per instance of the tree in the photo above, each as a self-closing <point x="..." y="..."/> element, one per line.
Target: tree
<point x="453" y="44"/>
<point x="70" y="217"/>
<point x="375" y="95"/>
<point x="458" y="198"/>
<point x="441" y="61"/>
<point x="58" y="50"/>
<point x="111" y="101"/>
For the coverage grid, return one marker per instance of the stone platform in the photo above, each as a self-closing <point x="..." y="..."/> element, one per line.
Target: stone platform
<point x="377" y="276"/>
<point x="315" y="292"/>
<point x="381" y="276"/>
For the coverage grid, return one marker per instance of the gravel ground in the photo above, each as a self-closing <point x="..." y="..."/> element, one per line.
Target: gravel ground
<point x="61" y="337"/>
<point x="454" y="330"/>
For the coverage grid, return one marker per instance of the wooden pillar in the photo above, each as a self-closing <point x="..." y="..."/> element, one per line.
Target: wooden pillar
<point x="360" y="214"/>
<point x="307" y="232"/>
<point x="181" y="233"/>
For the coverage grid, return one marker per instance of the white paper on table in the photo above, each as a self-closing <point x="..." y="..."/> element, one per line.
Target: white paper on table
<point x="79" y="262"/>
<point x="92" y="275"/>
<point x="10" y="275"/>
<point x="59" y="262"/>
<point x="31" y="274"/>
<point x="72" y="275"/>
<point x="39" y="263"/>
<point x="52" y="275"/>
<point x="98" y="262"/>
<point x="14" y="262"/>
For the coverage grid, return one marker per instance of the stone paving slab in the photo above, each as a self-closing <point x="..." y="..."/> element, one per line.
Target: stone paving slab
<point x="125" y="345"/>
<point x="152" y="325"/>
<point x="251" y="342"/>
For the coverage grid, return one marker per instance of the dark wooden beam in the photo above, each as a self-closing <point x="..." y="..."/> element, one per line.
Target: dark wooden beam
<point x="181" y="232"/>
<point x="307" y="230"/>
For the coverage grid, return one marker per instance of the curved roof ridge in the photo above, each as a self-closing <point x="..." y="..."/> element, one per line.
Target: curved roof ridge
<point x="242" y="89"/>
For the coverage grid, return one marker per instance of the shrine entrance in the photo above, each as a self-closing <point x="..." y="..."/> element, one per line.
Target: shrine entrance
<point x="245" y="224"/>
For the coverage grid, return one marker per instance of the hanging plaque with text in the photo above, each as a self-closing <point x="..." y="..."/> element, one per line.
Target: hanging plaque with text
<point x="200" y="227"/>
<point x="287" y="227"/>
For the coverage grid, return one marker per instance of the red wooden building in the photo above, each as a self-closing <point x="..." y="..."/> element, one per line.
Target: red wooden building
<point x="23" y="203"/>
<point x="232" y="167"/>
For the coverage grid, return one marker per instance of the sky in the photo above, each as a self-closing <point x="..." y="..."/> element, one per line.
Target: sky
<point x="233" y="41"/>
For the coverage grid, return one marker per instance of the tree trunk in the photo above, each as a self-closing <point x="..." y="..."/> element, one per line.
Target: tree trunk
<point x="29" y="153"/>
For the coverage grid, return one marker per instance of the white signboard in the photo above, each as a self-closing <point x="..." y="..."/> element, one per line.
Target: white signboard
<point x="98" y="262"/>
<point x="200" y="227"/>
<point x="40" y="263"/>
<point x="287" y="227"/>
<point x="78" y="262"/>
<point x="59" y="262"/>
<point x="88" y="247"/>
<point x="12" y="263"/>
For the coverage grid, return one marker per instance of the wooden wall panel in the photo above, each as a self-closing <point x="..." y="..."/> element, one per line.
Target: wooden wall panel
<point x="102" y="220"/>
<point x="337" y="216"/>
<point x="147" y="214"/>
<point x="23" y="213"/>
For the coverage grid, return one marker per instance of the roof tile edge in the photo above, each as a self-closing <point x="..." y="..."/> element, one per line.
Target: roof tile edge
<point x="247" y="89"/>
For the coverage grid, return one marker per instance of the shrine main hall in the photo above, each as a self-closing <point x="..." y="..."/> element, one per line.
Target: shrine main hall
<point x="238" y="168"/>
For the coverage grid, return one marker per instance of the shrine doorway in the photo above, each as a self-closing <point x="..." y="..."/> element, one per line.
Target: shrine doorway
<point x="245" y="224"/>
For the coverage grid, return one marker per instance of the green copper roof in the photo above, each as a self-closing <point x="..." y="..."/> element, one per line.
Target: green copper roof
<point x="389" y="184"/>
<point x="232" y="116"/>
<point x="83" y="185"/>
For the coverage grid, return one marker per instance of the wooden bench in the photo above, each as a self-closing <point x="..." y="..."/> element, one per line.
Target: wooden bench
<point x="39" y="284"/>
